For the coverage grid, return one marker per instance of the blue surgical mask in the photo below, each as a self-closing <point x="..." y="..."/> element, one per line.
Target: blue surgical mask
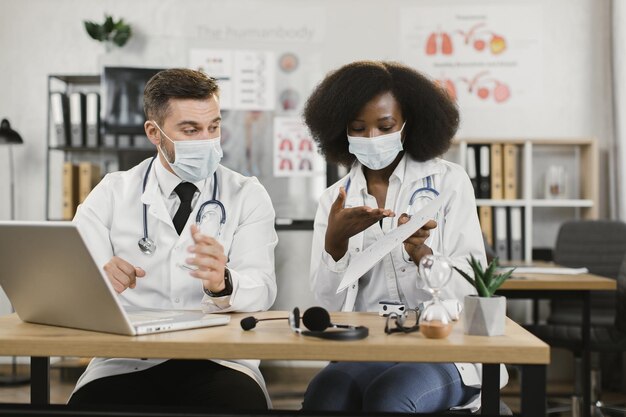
<point x="378" y="152"/>
<point x="194" y="160"/>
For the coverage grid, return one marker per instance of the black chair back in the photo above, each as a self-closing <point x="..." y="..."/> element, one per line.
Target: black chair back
<point x="598" y="245"/>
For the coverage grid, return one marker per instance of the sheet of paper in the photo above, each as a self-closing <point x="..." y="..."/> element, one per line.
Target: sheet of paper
<point x="548" y="270"/>
<point x="364" y="261"/>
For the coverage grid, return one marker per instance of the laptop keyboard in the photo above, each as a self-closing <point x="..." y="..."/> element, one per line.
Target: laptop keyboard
<point x="149" y="316"/>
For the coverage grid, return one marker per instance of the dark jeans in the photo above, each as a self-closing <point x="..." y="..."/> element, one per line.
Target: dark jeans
<point x="176" y="383"/>
<point x="387" y="387"/>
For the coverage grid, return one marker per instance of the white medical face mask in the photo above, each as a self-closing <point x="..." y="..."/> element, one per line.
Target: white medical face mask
<point x="378" y="152"/>
<point x="194" y="160"/>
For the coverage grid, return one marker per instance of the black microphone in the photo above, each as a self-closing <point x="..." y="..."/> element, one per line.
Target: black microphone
<point x="317" y="319"/>
<point x="249" y="323"/>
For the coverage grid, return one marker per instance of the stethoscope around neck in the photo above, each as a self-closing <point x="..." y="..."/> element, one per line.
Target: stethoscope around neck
<point x="147" y="245"/>
<point x="426" y="193"/>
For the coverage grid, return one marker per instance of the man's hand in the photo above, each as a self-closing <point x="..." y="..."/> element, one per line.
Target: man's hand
<point x="414" y="245"/>
<point x="210" y="260"/>
<point x="343" y="223"/>
<point x="122" y="274"/>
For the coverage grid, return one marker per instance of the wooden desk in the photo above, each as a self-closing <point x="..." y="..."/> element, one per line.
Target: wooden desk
<point x="274" y="340"/>
<point x="551" y="282"/>
<point x="539" y="286"/>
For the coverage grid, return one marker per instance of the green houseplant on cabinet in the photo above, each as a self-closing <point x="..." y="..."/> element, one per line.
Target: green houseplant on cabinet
<point x="485" y="313"/>
<point x="110" y="32"/>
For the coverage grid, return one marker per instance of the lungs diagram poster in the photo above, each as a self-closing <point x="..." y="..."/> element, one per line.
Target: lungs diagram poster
<point x="484" y="56"/>
<point x="295" y="152"/>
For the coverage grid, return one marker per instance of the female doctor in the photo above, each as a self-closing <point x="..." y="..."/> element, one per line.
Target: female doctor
<point x="162" y="247"/>
<point x="388" y="124"/>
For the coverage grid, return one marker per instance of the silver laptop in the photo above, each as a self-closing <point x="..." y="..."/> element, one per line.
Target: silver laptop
<point x="51" y="278"/>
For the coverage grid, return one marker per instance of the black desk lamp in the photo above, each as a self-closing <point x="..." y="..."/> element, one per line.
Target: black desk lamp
<point x="10" y="137"/>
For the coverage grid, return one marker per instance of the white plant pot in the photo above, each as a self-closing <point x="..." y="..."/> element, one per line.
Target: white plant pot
<point x="484" y="316"/>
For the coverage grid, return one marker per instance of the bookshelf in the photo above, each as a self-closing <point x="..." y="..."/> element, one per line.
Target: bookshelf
<point x="109" y="150"/>
<point x="575" y="197"/>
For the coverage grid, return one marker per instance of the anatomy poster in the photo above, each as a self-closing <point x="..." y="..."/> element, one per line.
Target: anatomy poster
<point x="484" y="56"/>
<point x="246" y="78"/>
<point x="295" y="153"/>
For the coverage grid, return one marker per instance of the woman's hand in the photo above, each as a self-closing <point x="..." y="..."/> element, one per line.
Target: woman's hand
<point x="343" y="223"/>
<point x="414" y="245"/>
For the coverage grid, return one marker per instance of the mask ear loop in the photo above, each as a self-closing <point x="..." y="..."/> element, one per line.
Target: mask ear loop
<point x="160" y="149"/>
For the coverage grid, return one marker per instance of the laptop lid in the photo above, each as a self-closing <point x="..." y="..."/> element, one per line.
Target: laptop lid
<point x="51" y="278"/>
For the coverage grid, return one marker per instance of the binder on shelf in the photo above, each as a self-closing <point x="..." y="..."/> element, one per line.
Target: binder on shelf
<point x="486" y="223"/>
<point x="471" y="168"/>
<point x="501" y="234"/>
<point x="70" y="190"/>
<point x="517" y="247"/>
<point x="484" y="172"/>
<point x="497" y="192"/>
<point x="78" y="119"/>
<point x="59" y="115"/>
<point x="509" y="168"/>
<point x="123" y="141"/>
<point x="88" y="177"/>
<point x="108" y="140"/>
<point x="141" y="142"/>
<point x="93" y="120"/>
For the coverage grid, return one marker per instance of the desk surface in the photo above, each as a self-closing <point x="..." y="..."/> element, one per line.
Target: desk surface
<point x="578" y="282"/>
<point x="274" y="340"/>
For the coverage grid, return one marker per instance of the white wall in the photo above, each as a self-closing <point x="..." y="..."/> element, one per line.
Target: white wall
<point x="40" y="37"/>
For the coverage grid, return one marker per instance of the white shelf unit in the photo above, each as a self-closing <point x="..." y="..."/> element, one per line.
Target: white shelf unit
<point x="580" y="155"/>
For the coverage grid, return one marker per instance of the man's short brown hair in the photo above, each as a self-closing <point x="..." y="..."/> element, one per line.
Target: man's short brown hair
<point x="177" y="83"/>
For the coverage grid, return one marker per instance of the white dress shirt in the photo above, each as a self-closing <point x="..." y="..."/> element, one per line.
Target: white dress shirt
<point x="111" y="220"/>
<point x="395" y="277"/>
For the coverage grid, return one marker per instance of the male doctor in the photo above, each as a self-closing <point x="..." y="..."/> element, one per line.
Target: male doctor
<point x="181" y="265"/>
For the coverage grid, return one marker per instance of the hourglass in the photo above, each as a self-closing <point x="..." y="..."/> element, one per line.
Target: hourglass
<point x="436" y="271"/>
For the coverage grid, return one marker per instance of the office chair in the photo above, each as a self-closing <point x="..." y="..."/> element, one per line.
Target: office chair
<point x="614" y="339"/>
<point x="596" y="245"/>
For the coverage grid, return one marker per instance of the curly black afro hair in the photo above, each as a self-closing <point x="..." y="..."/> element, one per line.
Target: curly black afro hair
<point x="432" y="118"/>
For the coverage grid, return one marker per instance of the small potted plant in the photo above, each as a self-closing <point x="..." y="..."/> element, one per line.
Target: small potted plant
<point x="110" y="32"/>
<point x="484" y="314"/>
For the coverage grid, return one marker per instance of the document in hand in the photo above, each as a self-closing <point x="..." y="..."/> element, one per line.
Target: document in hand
<point x="364" y="261"/>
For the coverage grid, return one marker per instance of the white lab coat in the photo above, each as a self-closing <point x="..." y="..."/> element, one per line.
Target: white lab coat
<point x="395" y="277"/>
<point x="111" y="221"/>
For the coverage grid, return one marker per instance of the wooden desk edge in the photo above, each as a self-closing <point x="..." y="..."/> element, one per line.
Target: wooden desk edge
<point x="273" y="341"/>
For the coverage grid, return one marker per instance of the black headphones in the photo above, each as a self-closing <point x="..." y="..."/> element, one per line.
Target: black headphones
<point x="316" y="320"/>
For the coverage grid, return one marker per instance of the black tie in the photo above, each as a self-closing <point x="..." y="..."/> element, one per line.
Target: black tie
<point x="185" y="191"/>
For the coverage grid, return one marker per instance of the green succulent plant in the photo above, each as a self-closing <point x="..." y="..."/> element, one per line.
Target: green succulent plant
<point x="111" y="30"/>
<point x="486" y="281"/>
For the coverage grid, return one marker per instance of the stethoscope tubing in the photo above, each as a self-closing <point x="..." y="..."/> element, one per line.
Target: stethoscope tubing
<point x="427" y="192"/>
<point x="422" y="190"/>
<point x="199" y="214"/>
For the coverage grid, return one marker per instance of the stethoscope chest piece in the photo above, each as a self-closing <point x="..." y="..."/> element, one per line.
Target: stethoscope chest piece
<point x="146" y="245"/>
